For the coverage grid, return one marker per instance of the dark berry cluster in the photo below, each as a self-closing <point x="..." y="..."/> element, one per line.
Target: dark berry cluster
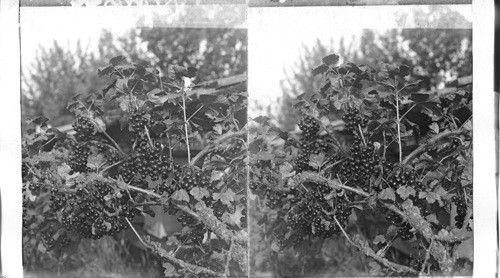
<point x="146" y="161"/>
<point x="185" y="177"/>
<point x="309" y="126"/>
<point x="78" y="158"/>
<point x="93" y="210"/>
<point x="357" y="169"/>
<point x="35" y="188"/>
<point x="403" y="177"/>
<point x="404" y="231"/>
<point x="459" y="201"/>
<point x="84" y="128"/>
<point x="138" y="121"/>
<point x="352" y="119"/>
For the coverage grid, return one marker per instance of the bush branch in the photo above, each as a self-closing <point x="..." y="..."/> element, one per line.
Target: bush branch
<point x="363" y="246"/>
<point x="431" y="141"/>
<point x="217" y="141"/>
<point x="159" y="251"/>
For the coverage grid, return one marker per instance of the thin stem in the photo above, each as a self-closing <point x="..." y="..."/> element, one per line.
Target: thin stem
<point x="228" y="260"/>
<point x="149" y="138"/>
<point x="398" y="122"/>
<point x="136" y="233"/>
<point x="114" y="142"/>
<point x="408" y="111"/>
<point x="111" y="166"/>
<point x="197" y="110"/>
<point x="362" y="136"/>
<point x="186" y="125"/>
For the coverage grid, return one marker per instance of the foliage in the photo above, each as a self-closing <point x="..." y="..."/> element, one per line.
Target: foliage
<point x="436" y="55"/>
<point x="407" y="165"/>
<point x="58" y="72"/>
<point x="85" y="186"/>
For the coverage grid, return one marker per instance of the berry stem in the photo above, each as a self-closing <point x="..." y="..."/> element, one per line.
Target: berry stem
<point x="114" y="142"/>
<point x="149" y="137"/>
<point x="398" y="123"/>
<point x="362" y="136"/>
<point x="183" y="92"/>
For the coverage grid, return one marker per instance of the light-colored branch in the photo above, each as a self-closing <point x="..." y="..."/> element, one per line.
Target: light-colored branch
<point x="228" y="259"/>
<point x="431" y="141"/>
<point x="219" y="140"/>
<point x="363" y="246"/>
<point x="427" y="256"/>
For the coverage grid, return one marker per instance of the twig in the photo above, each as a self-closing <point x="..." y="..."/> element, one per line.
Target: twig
<point x="362" y="136"/>
<point x="186" y="125"/>
<point x="431" y="141"/>
<point x="398" y="123"/>
<point x="158" y="250"/>
<point x="149" y="137"/>
<point x="135" y="232"/>
<point x="114" y="142"/>
<point x="311" y="176"/>
<point x="197" y="110"/>
<point x="365" y="248"/>
<point x="111" y="166"/>
<point x="228" y="260"/>
<point x="224" y="137"/>
<point x="408" y="111"/>
<point x="427" y="256"/>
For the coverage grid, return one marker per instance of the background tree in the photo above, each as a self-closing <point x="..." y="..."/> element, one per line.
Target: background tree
<point x="435" y="55"/>
<point x="59" y="73"/>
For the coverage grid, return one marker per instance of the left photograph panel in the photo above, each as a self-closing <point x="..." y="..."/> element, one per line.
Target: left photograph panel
<point x="134" y="140"/>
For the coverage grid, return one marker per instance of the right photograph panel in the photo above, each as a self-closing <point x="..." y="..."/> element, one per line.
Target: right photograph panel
<point x="361" y="141"/>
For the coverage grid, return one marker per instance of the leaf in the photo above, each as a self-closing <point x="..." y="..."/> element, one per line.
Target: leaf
<point x="404" y="70"/>
<point x="261" y="120"/>
<point x="45" y="157"/>
<point x="237" y="215"/>
<point x="317" y="160"/>
<point x="432" y="218"/>
<point x="379" y="239"/>
<point x="430" y="197"/>
<point x="118" y="60"/>
<point x="169" y="269"/>
<point x="465" y="250"/>
<point x="199" y="193"/>
<point x="263" y="156"/>
<point x="405" y="192"/>
<point x="319" y="70"/>
<point x="181" y="195"/>
<point x="432" y="109"/>
<point x="216" y="175"/>
<point x="226" y="197"/>
<point x="387" y="194"/>
<point x="102" y="71"/>
<point x="218" y="128"/>
<point x="330" y="60"/>
<point x="286" y="170"/>
<point x="375" y="269"/>
<point x="95" y="161"/>
<point x="434" y="127"/>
